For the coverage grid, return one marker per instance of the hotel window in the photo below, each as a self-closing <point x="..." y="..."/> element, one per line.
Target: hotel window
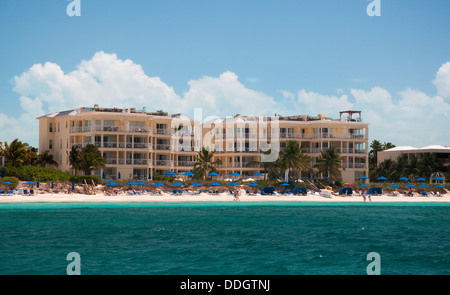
<point x="50" y="127"/>
<point x="58" y="126"/>
<point x="50" y="144"/>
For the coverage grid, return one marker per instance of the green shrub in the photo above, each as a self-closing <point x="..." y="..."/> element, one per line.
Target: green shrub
<point x="35" y="173"/>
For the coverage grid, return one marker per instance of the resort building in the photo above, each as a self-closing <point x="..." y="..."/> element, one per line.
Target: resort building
<point x="134" y="143"/>
<point x="442" y="153"/>
<point x="240" y="141"/>
<point x="139" y="143"/>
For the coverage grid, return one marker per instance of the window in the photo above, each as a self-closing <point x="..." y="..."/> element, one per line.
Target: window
<point x="50" y="144"/>
<point x="50" y="127"/>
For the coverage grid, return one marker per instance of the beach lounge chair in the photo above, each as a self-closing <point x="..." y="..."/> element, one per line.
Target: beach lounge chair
<point x="424" y="194"/>
<point x="10" y="192"/>
<point x="2" y="192"/>
<point x="31" y="192"/>
<point x="281" y="193"/>
<point x="288" y="193"/>
<point x="180" y="192"/>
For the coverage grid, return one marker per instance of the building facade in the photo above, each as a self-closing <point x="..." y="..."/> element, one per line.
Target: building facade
<point x="138" y="143"/>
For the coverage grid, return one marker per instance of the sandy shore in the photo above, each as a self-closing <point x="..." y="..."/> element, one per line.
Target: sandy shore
<point x="223" y="197"/>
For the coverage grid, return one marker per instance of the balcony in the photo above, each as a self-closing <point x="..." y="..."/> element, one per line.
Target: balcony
<point x="163" y="163"/>
<point x="162" y="147"/>
<point x="163" y="131"/>
<point x="186" y="163"/>
<point x="354" y="165"/>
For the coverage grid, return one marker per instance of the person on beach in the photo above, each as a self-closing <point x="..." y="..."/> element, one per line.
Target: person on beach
<point x="364" y="195"/>
<point x="236" y="195"/>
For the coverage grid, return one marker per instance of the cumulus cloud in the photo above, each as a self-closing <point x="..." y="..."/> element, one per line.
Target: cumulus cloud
<point x="409" y="117"/>
<point x="442" y="80"/>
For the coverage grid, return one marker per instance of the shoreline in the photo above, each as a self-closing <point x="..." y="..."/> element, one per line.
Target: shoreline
<point x="204" y="197"/>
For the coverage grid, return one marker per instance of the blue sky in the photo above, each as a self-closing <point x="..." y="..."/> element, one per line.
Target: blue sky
<point x="228" y="57"/>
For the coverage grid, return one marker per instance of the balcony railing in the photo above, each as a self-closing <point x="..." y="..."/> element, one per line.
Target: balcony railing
<point x="162" y="131"/>
<point x="354" y="165"/>
<point x="163" y="163"/>
<point x="162" y="147"/>
<point x="186" y="163"/>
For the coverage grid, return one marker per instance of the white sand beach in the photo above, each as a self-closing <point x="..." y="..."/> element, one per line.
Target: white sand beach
<point x="205" y="197"/>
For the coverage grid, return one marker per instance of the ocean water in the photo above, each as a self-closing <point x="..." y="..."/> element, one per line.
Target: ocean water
<point x="233" y="238"/>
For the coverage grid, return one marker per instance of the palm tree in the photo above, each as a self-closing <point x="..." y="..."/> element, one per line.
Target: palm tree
<point x="90" y="159"/>
<point x="46" y="158"/>
<point x="31" y="155"/>
<point x="75" y="158"/>
<point x="330" y="161"/>
<point x="15" y="152"/>
<point x="292" y="157"/>
<point x="204" y="163"/>
<point x="375" y="147"/>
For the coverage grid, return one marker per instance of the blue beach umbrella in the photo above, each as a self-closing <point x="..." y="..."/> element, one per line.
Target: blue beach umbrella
<point x="439" y="186"/>
<point x="118" y="175"/>
<point x="437" y="178"/>
<point x="423" y="185"/>
<point x="403" y="178"/>
<point x="131" y="183"/>
<point x="140" y="182"/>
<point x="52" y="186"/>
<point x="158" y="184"/>
<point x="215" y="183"/>
<point x="73" y="186"/>
<point x="213" y="174"/>
<point x="381" y="178"/>
<point x="285" y="184"/>
<point x="196" y="184"/>
<point x="409" y="185"/>
<point x="30" y="182"/>
<point x="111" y="183"/>
<point x="363" y="185"/>
<point x="170" y="173"/>
<point x="177" y="183"/>
<point x="420" y="179"/>
<point x="258" y="174"/>
<point x="393" y="185"/>
<point x="37" y="184"/>
<point x="103" y="175"/>
<point x="364" y="177"/>
<point x="7" y="182"/>
<point x="253" y="184"/>
<point x="235" y="174"/>
<point x="233" y="183"/>
<point x="189" y="173"/>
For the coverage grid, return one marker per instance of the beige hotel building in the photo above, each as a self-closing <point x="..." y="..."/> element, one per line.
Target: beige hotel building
<point x="139" y="143"/>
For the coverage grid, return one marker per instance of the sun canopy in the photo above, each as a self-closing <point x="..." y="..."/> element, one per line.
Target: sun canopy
<point x="158" y="184"/>
<point x="235" y="174"/>
<point x="213" y="174"/>
<point x="215" y="183"/>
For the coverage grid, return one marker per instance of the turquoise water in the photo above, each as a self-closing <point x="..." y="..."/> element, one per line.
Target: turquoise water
<point x="225" y="238"/>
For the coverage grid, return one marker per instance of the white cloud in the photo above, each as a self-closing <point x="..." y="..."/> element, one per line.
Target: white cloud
<point x="410" y="117"/>
<point x="442" y="80"/>
<point x="315" y="103"/>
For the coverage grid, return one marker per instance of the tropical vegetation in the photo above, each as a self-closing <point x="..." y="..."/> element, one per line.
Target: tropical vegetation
<point x="204" y="163"/>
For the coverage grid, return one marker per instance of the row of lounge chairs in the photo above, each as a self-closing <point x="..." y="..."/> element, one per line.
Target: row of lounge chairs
<point x="17" y="192"/>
